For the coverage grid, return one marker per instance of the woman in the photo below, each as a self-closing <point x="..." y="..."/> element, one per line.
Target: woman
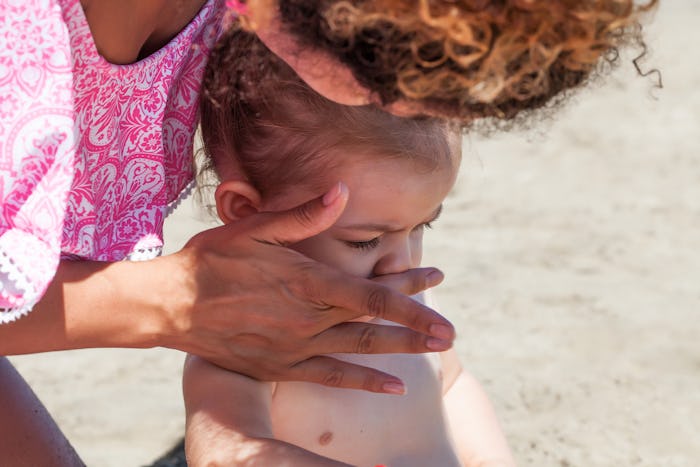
<point x="125" y="77"/>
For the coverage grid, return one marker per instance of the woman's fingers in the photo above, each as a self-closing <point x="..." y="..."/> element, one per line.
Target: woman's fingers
<point x="337" y="373"/>
<point x="412" y="281"/>
<point x="370" y="338"/>
<point x="301" y="222"/>
<point x="367" y="298"/>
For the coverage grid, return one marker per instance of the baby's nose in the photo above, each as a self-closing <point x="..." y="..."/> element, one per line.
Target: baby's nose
<point x="400" y="258"/>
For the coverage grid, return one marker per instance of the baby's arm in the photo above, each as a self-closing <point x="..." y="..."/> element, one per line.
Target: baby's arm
<point x="228" y="421"/>
<point x="475" y="429"/>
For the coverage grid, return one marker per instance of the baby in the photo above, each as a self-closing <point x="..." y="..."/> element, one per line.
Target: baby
<point x="272" y="143"/>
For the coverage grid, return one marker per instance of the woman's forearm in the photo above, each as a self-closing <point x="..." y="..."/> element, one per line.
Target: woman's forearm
<point x="91" y="304"/>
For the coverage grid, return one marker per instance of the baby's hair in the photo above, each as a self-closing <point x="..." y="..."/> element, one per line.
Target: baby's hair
<point x="468" y="59"/>
<point x="260" y="116"/>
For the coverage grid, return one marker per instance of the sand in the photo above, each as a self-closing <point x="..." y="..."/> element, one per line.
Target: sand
<point x="572" y="255"/>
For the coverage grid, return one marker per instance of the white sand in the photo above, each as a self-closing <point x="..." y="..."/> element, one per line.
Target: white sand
<point x="572" y="256"/>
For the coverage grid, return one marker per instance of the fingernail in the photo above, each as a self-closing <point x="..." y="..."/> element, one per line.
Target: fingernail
<point x="332" y="194"/>
<point x="434" y="278"/>
<point x="437" y="345"/>
<point x="394" y="387"/>
<point x="441" y="332"/>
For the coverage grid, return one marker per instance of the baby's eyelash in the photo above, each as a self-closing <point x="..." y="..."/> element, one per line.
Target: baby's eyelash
<point x="423" y="226"/>
<point x="368" y="245"/>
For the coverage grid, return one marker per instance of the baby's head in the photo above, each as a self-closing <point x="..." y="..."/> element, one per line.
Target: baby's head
<point x="274" y="143"/>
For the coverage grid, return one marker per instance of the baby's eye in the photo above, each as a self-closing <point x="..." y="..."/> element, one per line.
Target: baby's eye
<point x="368" y="245"/>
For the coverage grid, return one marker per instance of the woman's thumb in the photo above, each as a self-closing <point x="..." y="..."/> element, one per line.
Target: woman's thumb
<point x="304" y="221"/>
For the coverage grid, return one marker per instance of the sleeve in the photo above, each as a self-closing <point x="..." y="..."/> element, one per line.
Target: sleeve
<point x="37" y="144"/>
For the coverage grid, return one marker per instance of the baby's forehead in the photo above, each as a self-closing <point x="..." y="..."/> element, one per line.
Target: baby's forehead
<point x="435" y="150"/>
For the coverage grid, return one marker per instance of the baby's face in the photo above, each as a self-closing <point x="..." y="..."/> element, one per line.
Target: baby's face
<point x="391" y="203"/>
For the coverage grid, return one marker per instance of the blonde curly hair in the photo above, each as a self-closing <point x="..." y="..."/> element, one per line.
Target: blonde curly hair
<point x="467" y="59"/>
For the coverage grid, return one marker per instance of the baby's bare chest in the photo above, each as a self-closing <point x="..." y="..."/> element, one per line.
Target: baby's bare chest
<point x="366" y="428"/>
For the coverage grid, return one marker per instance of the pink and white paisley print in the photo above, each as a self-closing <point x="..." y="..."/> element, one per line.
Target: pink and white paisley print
<point x="103" y="194"/>
<point x="36" y="148"/>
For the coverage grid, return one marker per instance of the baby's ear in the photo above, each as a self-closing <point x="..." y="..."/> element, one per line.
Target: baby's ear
<point x="236" y="199"/>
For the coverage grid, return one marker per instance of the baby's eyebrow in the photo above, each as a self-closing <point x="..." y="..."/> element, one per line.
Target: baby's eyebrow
<point x="370" y="227"/>
<point x="373" y="227"/>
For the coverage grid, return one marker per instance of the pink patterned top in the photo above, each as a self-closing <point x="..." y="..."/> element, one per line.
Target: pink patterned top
<point x="93" y="155"/>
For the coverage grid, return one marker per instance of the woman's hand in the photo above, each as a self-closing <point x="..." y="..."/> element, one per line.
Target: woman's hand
<point x="237" y="297"/>
<point x="251" y="305"/>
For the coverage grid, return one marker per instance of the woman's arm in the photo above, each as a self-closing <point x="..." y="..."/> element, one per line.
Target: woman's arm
<point x="235" y="296"/>
<point x="475" y="429"/>
<point x="228" y="422"/>
<point x="93" y="304"/>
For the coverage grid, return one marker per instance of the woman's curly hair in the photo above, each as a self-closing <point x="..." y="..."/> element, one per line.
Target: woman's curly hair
<point x="467" y="59"/>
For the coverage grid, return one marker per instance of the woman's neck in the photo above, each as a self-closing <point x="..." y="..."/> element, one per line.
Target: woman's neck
<point x="126" y="31"/>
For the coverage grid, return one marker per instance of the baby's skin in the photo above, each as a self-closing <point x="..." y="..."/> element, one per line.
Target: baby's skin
<point x="364" y="428"/>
